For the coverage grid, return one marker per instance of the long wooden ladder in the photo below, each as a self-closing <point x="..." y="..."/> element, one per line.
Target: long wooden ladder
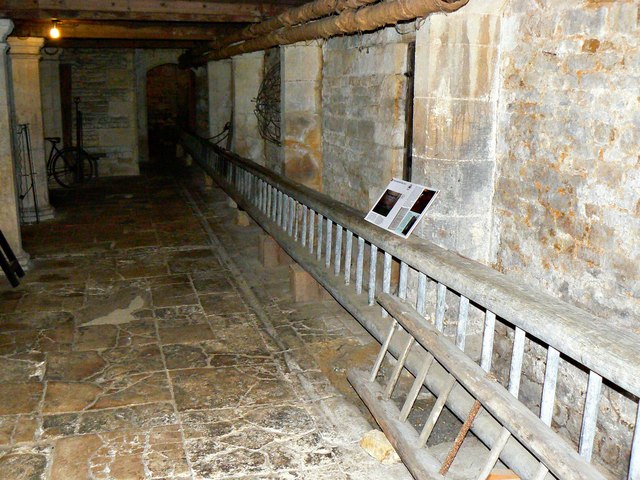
<point x="554" y="457"/>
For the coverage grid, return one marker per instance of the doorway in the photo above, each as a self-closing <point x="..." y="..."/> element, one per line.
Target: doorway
<point x="171" y="105"/>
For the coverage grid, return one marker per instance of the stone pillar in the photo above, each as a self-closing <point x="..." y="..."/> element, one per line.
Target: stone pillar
<point x="248" y="71"/>
<point x="455" y="105"/>
<point x="9" y="219"/>
<point x="50" y="87"/>
<point x="25" y="66"/>
<point x="220" y="95"/>
<point x="301" y="111"/>
<point x="140" y="74"/>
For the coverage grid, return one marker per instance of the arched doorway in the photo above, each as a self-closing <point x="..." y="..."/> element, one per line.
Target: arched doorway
<point x="171" y="104"/>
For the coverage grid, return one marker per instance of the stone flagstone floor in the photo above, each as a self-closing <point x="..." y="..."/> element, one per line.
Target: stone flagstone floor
<point x="133" y="350"/>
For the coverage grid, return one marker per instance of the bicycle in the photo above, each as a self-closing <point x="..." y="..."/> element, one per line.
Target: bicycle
<point x="69" y="166"/>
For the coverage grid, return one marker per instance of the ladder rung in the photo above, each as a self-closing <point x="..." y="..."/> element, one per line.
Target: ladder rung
<point x="496" y="450"/>
<point x="415" y="389"/>
<point x="398" y="368"/>
<point x="383" y="351"/>
<point x="436" y="411"/>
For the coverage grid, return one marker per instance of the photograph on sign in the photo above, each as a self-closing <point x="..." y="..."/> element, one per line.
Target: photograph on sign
<point x="401" y="207"/>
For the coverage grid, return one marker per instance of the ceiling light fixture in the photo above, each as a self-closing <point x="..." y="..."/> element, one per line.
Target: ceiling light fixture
<point x="54" y="32"/>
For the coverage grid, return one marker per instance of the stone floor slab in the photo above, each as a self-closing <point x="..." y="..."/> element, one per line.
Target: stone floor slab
<point x="130" y="350"/>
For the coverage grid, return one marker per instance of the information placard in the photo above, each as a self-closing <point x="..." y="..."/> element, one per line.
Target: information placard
<point x="401" y="206"/>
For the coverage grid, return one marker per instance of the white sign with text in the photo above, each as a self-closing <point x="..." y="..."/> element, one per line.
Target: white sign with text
<point x="401" y="206"/>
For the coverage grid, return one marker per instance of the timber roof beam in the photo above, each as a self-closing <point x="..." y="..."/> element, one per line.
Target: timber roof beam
<point x="145" y="10"/>
<point x="74" y="29"/>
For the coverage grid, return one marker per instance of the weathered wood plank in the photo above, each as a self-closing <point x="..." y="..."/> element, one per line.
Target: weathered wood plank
<point x="401" y="435"/>
<point x="547" y="445"/>
<point x="485" y="427"/>
<point x="123" y="30"/>
<point x="610" y="352"/>
<point x="153" y="10"/>
<point x="119" y="43"/>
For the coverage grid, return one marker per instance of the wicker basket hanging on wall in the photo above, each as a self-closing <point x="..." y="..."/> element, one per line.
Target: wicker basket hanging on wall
<point x="268" y="105"/>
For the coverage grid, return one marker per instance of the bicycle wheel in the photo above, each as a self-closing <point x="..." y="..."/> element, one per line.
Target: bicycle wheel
<point x="72" y="167"/>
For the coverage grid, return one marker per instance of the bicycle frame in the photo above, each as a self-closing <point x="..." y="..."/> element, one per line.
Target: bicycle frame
<point x="52" y="154"/>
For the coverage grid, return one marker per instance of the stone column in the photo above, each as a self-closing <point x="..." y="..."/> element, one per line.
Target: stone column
<point x="9" y="219"/>
<point x="454" y="144"/>
<point x="25" y="66"/>
<point x="248" y="71"/>
<point x="301" y="111"/>
<point x="140" y="71"/>
<point x="50" y="87"/>
<point x="220" y="95"/>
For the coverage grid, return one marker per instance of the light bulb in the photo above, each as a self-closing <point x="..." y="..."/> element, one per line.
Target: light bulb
<point x="54" y="32"/>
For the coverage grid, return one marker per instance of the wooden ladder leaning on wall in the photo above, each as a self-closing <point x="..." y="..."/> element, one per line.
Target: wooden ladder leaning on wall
<point x="9" y="263"/>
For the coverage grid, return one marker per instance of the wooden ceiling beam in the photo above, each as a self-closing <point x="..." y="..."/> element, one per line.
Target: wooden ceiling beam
<point x="120" y="43"/>
<point x="149" y="10"/>
<point x="125" y="30"/>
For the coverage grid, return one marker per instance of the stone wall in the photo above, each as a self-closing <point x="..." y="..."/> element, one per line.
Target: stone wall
<point x="104" y="81"/>
<point x="247" y="74"/>
<point x="220" y="95"/>
<point x="526" y="117"/>
<point x="567" y="203"/>
<point x="272" y="151"/>
<point x="363" y="115"/>
<point x="50" y="88"/>
<point x="456" y="95"/>
<point x="202" y="101"/>
<point x="301" y="112"/>
<point x="567" y="197"/>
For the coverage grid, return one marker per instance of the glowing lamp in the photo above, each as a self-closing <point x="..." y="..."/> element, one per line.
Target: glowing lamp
<point x="54" y="32"/>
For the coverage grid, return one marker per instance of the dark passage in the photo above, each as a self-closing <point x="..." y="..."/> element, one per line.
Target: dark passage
<point x="171" y="103"/>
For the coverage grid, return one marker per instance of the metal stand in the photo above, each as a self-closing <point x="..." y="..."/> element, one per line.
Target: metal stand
<point x="9" y="263"/>
<point x="79" y="173"/>
<point x="24" y="171"/>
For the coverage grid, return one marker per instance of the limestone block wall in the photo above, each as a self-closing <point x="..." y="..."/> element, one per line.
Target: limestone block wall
<point x="220" y="95"/>
<point x="9" y="216"/>
<point x="105" y="82"/>
<point x="247" y="70"/>
<point x="567" y="199"/>
<point x="569" y="171"/>
<point x="527" y="118"/>
<point x="50" y="88"/>
<point x="202" y="101"/>
<point x="363" y="114"/>
<point x="273" y="152"/>
<point x="301" y="111"/>
<point x="27" y="103"/>
<point x="456" y="96"/>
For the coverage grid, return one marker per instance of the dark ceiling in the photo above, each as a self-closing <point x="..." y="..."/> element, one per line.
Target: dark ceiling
<point x="137" y="23"/>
